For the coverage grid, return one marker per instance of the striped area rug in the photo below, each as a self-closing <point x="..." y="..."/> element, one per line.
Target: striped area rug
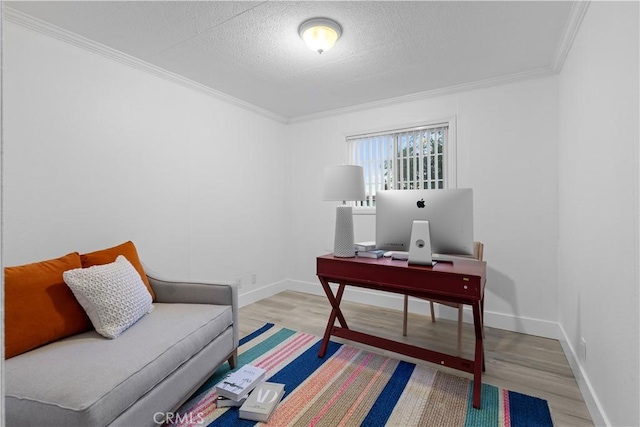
<point x="353" y="387"/>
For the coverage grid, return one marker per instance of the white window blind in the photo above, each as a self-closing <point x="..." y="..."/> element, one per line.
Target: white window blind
<point x="400" y="160"/>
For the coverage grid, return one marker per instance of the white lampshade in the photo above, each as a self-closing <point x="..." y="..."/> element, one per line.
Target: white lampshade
<point x="344" y="183"/>
<point x="320" y="34"/>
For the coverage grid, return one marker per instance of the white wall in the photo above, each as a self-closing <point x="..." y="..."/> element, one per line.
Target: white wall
<point x="96" y="153"/>
<point x="598" y="210"/>
<point x="506" y="143"/>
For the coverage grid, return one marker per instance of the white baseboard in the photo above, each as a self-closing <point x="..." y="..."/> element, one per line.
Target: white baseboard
<point x="537" y="327"/>
<point x="249" y="297"/>
<point x="596" y="411"/>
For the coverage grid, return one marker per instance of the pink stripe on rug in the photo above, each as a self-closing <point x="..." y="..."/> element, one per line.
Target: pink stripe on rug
<point x="507" y="413"/>
<point x="290" y="408"/>
<point x="287" y="344"/>
<point x="203" y="404"/>
<point x="277" y="357"/>
<point x="205" y="416"/>
<point x="204" y="407"/>
<point x="191" y="418"/>
<point x="364" y="393"/>
<point x="344" y="387"/>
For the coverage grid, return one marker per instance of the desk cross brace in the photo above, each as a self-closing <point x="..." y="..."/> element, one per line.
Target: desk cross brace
<point x="472" y="366"/>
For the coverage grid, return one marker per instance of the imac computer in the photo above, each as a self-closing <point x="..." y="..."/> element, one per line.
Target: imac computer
<point x="449" y="212"/>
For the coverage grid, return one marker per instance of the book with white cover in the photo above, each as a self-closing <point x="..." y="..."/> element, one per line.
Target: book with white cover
<point x="365" y="246"/>
<point x="239" y="383"/>
<point x="376" y="253"/>
<point x="262" y="402"/>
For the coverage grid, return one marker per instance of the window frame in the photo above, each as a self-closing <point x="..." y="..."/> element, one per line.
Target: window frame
<point x="449" y="153"/>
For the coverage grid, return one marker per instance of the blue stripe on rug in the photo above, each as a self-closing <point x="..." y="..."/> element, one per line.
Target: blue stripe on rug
<point x="292" y="375"/>
<point x="256" y="333"/>
<point x="383" y="407"/>
<point x="489" y="412"/>
<point x="528" y="411"/>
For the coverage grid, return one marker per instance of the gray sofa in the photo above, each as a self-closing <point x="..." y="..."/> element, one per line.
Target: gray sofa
<point x="134" y="380"/>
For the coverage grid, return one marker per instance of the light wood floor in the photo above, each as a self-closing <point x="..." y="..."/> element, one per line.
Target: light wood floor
<point x="523" y="363"/>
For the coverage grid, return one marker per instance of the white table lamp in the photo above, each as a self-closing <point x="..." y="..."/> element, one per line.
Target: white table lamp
<point x="345" y="183"/>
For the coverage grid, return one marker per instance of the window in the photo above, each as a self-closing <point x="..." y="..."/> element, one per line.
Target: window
<point x="415" y="158"/>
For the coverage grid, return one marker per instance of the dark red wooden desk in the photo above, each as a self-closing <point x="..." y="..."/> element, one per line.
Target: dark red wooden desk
<point x="462" y="282"/>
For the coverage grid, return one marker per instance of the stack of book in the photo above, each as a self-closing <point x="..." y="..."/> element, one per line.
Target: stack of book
<point x="368" y="250"/>
<point x="234" y="388"/>
<point x="247" y="389"/>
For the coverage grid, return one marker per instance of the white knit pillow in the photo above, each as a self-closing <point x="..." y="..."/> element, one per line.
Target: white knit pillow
<point x="113" y="295"/>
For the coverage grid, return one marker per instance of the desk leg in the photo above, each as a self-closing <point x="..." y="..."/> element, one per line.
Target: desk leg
<point x="335" y="301"/>
<point x="478" y="362"/>
<point x="335" y="312"/>
<point x="483" y="336"/>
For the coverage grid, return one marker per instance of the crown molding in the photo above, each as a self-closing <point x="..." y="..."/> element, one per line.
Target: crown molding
<point x="43" y="27"/>
<point x="450" y="90"/>
<point x="578" y="10"/>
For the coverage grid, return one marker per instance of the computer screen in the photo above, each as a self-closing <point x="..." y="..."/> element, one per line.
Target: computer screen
<point x="449" y="212"/>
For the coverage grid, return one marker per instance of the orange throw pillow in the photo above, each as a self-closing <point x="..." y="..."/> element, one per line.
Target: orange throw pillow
<point x="109" y="255"/>
<point x="39" y="307"/>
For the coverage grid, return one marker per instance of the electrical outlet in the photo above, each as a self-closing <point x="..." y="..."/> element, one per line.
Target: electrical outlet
<point x="239" y="282"/>
<point x="254" y="278"/>
<point x="583" y="349"/>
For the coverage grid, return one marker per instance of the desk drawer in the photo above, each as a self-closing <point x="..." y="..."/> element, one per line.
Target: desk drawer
<point x="400" y="278"/>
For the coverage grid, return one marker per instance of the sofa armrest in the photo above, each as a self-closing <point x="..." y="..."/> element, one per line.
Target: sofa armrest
<point x="188" y="292"/>
<point x="177" y="291"/>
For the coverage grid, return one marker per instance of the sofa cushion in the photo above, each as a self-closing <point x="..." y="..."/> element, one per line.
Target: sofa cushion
<point x="39" y="307"/>
<point x="109" y="255"/>
<point x="100" y="378"/>
<point x="113" y="295"/>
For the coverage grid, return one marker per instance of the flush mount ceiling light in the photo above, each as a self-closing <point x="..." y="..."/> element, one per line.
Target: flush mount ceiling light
<point x="320" y="34"/>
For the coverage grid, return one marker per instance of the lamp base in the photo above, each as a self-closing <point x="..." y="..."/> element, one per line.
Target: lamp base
<point x="343" y="245"/>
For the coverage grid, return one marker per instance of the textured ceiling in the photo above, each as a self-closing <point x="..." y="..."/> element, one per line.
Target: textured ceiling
<point x="252" y="51"/>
